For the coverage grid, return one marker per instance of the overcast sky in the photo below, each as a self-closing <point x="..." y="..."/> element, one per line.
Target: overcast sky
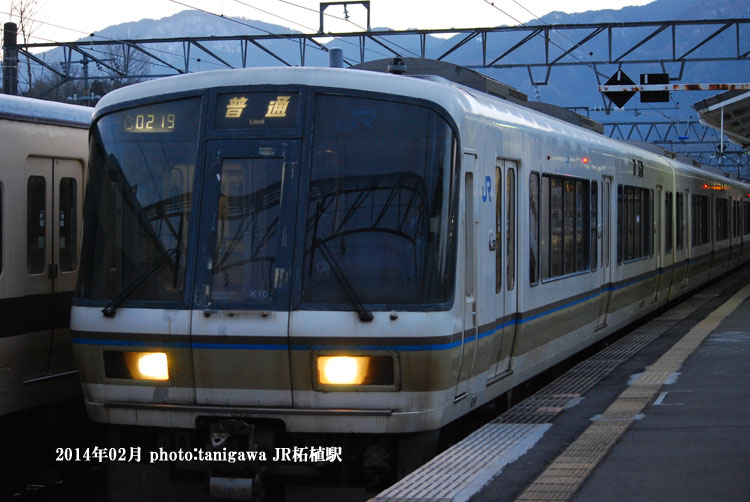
<point x="81" y="17"/>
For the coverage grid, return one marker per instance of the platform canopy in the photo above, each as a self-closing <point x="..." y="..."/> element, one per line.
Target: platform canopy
<point x="735" y="108"/>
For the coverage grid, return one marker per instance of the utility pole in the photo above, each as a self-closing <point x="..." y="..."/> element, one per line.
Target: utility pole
<point x="10" y="59"/>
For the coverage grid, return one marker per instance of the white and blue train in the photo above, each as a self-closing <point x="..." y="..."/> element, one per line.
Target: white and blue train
<point x="341" y="253"/>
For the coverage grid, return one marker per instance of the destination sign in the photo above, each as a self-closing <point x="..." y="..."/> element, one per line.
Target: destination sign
<point x="257" y="110"/>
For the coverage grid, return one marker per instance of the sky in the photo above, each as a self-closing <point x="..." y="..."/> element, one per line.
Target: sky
<point x="75" y="19"/>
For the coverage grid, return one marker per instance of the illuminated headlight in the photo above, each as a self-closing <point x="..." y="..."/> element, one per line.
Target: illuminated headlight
<point x="150" y="365"/>
<point x="341" y="370"/>
<point x="137" y="365"/>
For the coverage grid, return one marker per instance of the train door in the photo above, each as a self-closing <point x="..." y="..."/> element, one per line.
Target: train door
<point x="658" y="240"/>
<point x="245" y="250"/>
<point x="470" y="226"/>
<point x="688" y="233"/>
<point x="503" y="247"/>
<point x="53" y="205"/>
<point x="510" y="296"/>
<point x="605" y="232"/>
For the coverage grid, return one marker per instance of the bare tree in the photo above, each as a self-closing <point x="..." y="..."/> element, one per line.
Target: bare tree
<point x="26" y="11"/>
<point x="126" y="65"/>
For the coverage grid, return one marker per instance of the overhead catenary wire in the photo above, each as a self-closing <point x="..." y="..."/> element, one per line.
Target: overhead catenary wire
<point x="313" y="29"/>
<point x="380" y="39"/>
<point x="320" y="47"/>
<point x="94" y="35"/>
<point x="489" y="2"/>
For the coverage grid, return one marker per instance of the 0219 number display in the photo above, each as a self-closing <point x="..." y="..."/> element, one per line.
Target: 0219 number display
<point x="150" y="122"/>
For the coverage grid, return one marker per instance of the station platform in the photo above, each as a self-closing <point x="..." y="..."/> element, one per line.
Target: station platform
<point x="662" y="414"/>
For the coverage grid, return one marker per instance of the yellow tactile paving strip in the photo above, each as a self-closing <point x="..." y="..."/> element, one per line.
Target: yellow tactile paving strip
<point x="562" y="478"/>
<point x="508" y="435"/>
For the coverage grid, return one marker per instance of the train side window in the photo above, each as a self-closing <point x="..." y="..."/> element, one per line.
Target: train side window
<point x="668" y="222"/>
<point x="534" y="228"/>
<point x="582" y="221"/>
<point x="700" y="223"/>
<point x="680" y="222"/>
<point x="544" y="239"/>
<point x="36" y="221"/>
<point x="569" y="226"/>
<point x="722" y="219"/>
<point x="565" y="226"/>
<point x="746" y="217"/>
<point x="67" y="237"/>
<point x="634" y="223"/>
<point x="511" y="230"/>
<point x="556" y="227"/>
<point x="633" y="219"/>
<point x="594" y="225"/>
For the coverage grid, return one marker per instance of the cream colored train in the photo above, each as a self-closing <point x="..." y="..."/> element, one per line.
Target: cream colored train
<point x="356" y="257"/>
<point x="43" y="157"/>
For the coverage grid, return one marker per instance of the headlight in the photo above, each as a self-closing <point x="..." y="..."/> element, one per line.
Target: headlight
<point x="150" y="365"/>
<point x="136" y="365"/>
<point x="374" y="371"/>
<point x="342" y="370"/>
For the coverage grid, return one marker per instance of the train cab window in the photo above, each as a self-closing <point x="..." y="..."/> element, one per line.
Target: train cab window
<point x="680" y="221"/>
<point x="36" y="224"/>
<point x="668" y="222"/>
<point x="565" y="226"/>
<point x="67" y="237"/>
<point x="142" y="164"/>
<point x="382" y="204"/>
<point x="246" y="236"/>
<point x="594" y="223"/>
<point x="700" y="223"/>
<point x="634" y="223"/>
<point x="534" y="228"/>
<point x="722" y="219"/>
<point x="511" y="229"/>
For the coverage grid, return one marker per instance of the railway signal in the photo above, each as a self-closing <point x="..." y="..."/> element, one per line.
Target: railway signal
<point x="619" y="97"/>
<point x="655" y="87"/>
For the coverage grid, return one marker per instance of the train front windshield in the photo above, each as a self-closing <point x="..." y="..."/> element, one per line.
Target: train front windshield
<point x="365" y="204"/>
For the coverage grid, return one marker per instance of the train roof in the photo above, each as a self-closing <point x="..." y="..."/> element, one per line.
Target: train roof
<point x="457" y="99"/>
<point x="313" y="76"/>
<point x="44" y="112"/>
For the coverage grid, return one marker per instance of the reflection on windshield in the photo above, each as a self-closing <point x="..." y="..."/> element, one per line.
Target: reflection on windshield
<point x="138" y="202"/>
<point x="247" y="224"/>
<point x="379" y="200"/>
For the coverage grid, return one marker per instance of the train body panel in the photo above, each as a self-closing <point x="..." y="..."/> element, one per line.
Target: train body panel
<point x="541" y="238"/>
<point x="42" y="174"/>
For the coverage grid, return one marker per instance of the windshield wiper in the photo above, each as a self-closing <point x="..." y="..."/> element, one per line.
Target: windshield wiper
<point x="111" y="309"/>
<point x="364" y="314"/>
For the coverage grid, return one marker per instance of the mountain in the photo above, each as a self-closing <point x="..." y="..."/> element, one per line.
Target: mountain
<point x="568" y="86"/>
